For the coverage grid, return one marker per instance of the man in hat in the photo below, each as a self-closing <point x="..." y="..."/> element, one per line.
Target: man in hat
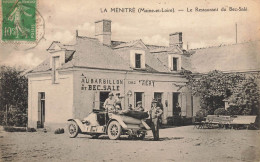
<point x="139" y="106"/>
<point x="118" y="102"/>
<point x="155" y="113"/>
<point x="109" y="102"/>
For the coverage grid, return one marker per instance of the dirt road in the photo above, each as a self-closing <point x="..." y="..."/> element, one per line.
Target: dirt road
<point x="176" y="144"/>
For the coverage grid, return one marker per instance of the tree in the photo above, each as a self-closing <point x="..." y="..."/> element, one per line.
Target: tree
<point x="241" y="90"/>
<point x="13" y="95"/>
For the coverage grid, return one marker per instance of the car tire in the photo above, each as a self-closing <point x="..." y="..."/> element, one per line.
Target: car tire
<point x="114" y="130"/>
<point x="73" y="129"/>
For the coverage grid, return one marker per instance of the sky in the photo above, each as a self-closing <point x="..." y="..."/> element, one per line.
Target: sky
<point x="200" y="29"/>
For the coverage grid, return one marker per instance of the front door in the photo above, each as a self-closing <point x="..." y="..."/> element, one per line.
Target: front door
<point x="41" y="110"/>
<point x="175" y="100"/>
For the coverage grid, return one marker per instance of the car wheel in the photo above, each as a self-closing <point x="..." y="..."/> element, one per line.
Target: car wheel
<point x="114" y="130"/>
<point x="73" y="129"/>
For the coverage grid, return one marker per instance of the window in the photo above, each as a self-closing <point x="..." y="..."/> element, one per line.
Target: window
<point x="174" y="64"/>
<point x="158" y="97"/>
<point x="55" y="65"/>
<point x="137" y="60"/>
<point x="139" y="97"/>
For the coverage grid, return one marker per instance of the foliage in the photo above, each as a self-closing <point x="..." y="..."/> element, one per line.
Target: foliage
<point x="220" y="111"/>
<point x="13" y="95"/>
<point x="234" y="110"/>
<point x="241" y="90"/>
<point x="201" y="113"/>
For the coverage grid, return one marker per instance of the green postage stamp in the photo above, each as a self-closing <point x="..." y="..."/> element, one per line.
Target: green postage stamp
<point x="19" y="20"/>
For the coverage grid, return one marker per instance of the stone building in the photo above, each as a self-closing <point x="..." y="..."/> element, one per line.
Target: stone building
<point x="77" y="78"/>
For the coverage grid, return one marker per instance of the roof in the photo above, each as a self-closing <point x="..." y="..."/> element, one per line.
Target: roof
<point x="90" y="53"/>
<point x="171" y="49"/>
<point x="130" y="44"/>
<point x="237" y="57"/>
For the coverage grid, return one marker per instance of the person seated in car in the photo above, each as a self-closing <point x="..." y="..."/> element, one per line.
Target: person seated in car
<point x="139" y="106"/>
<point x="109" y="103"/>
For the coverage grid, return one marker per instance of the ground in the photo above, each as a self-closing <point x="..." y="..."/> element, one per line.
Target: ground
<point x="176" y="144"/>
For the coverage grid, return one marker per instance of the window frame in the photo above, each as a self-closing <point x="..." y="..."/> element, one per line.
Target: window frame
<point x="170" y="62"/>
<point x="138" y="61"/>
<point x="133" y="59"/>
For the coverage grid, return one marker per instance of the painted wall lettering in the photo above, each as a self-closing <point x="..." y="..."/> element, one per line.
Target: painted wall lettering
<point x="100" y="84"/>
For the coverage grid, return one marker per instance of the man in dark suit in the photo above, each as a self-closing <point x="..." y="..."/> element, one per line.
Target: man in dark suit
<point x="155" y="113"/>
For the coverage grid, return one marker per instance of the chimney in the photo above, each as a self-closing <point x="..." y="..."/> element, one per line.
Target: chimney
<point x="175" y="39"/>
<point x="103" y="31"/>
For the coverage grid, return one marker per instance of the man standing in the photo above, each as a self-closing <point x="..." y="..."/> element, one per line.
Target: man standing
<point x="155" y="113"/>
<point x="109" y="103"/>
<point x="178" y="109"/>
<point x="139" y="106"/>
<point x="118" y="101"/>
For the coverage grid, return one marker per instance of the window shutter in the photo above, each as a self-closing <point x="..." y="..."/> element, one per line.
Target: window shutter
<point x="97" y="100"/>
<point x="183" y="104"/>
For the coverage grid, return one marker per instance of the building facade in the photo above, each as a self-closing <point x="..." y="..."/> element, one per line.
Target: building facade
<point x="77" y="78"/>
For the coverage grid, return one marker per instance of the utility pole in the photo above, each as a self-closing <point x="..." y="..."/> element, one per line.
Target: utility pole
<point x="6" y="119"/>
<point x="236" y="33"/>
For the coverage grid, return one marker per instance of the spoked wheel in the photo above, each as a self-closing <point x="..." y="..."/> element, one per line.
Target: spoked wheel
<point x="114" y="130"/>
<point x="73" y="129"/>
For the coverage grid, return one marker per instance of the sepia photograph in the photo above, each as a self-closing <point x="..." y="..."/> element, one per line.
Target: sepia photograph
<point x="142" y="81"/>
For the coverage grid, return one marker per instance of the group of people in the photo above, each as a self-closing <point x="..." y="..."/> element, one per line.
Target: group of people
<point x="110" y="104"/>
<point x="155" y="112"/>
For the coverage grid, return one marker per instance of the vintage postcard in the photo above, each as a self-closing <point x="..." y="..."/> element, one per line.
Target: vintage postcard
<point x="160" y="80"/>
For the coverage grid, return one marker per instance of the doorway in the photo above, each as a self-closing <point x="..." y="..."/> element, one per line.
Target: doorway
<point x="41" y="110"/>
<point x="175" y="100"/>
<point x="102" y="98"/>
<point x="139" y="97"/>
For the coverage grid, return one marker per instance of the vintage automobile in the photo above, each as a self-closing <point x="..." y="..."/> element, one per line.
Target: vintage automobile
<point x="113" y="124"/>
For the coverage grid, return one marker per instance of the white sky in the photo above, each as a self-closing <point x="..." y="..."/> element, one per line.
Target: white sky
<point x="63" y="17"/>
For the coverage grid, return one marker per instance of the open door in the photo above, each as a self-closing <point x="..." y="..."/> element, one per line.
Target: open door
<point x="175" y="100"/>
<point x="41" y="110"/>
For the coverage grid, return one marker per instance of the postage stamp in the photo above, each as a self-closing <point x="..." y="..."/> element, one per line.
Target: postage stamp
<point x="19" y="20"/>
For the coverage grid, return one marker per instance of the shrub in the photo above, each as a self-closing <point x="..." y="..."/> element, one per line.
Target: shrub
<point x="220" y="111"/>
<point x="201" y="113"/>
<point x="59" y="131"/>
<point x="14" y="129"/>
<point x="31" y="130"/>
<point x="234" y="110"/>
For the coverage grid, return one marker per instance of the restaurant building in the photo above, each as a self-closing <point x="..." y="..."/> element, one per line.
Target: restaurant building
<point x="77" y="78"/>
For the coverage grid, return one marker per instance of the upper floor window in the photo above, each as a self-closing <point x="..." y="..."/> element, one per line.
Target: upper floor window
<point x="174" y="62"/>
<point x="137" y="60"/>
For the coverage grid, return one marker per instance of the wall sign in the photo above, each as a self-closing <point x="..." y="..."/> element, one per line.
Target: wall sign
<point x="101" y="84"/>
<point x="146" y="82"/>
<point x="142" y="82"/>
